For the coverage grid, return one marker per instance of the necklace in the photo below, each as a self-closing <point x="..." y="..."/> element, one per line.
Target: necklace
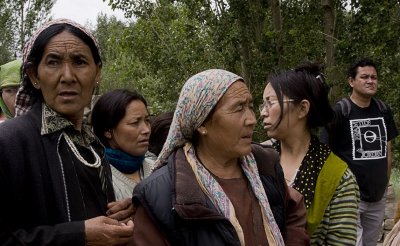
<point x="97" y="161"/>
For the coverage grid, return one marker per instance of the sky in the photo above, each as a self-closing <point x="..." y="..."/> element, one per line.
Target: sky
<point x="83" y="11"/>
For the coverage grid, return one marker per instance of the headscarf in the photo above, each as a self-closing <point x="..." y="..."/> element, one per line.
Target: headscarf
<point x="9" y="76"/>
<point x="27" y="93"/>
<point x="198" y="97"/>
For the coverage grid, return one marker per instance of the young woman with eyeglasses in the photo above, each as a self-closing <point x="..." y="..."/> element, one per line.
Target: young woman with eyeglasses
<point x="295" y="104"/>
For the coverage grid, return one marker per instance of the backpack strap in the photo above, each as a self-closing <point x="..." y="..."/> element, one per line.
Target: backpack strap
<point x="345" y="106"/>
<point x="381" y="105"/>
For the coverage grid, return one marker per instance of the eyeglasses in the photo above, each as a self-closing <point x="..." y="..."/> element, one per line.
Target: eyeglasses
<point x="267" y="104"/>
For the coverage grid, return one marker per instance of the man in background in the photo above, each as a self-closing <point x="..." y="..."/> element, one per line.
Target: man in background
<point x="362" y="136"/>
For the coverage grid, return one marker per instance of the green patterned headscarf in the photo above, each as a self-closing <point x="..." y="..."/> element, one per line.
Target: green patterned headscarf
<point x="9" y="76"/>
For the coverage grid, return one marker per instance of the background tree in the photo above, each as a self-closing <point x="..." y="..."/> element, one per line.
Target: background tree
<point x="6" y="33"/>
<point x="18" y="18"/>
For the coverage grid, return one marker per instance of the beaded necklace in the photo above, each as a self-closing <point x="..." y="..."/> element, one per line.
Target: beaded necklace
<point x="97" y="161"/>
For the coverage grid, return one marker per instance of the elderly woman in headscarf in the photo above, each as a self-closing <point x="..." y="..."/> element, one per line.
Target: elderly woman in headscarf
<point x="214" y="186"/>
<point x="54" y="181"/>
<point x="10" y="79"/>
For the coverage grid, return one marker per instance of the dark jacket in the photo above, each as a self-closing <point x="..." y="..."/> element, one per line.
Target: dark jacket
<point x="34" y="207"/>
<point x="186" y="216"/>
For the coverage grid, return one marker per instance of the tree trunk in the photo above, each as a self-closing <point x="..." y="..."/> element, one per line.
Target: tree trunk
<point x="329" y="31"/>
<point x="277" y="27"/>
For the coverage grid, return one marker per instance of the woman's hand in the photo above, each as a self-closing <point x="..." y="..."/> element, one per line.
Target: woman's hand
<point x="106" y="231"/>
<point x="122" y="210"/>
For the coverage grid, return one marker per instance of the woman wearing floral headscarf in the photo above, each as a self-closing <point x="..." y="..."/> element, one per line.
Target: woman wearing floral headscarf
<point x="215" y="188"/>
<point x="54" y="181"/>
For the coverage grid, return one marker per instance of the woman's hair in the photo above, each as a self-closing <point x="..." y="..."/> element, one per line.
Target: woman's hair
<point x="159" y="131"/>
<point x="110" y="109"/>
<point x="36" y="53"/>
<point x="305" y="82"/>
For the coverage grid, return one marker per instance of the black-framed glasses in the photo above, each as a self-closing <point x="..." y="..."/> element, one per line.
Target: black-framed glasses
<point x="267" y="104"/>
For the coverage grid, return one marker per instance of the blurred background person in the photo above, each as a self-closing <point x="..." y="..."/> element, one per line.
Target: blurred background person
<point x="120" y="120"/>
<point x="55" y="183"/>
<point x="10" y="79"/>
<point x="296" y="103"/>
<point x="211" y="189"/>
<point x="159" y="131"/>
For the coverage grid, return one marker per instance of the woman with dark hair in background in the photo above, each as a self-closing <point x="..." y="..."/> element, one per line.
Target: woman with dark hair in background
<point x="121" y="121"/>
<point x="159" y="131"/>
<point x="54" y="181"/>
<point x="295" y="103"/>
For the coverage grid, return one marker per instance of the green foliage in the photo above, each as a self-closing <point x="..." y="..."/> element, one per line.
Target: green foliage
<point x="168" y="41"/>
<point x="6" y="37"/>
<point x="18" y="19"/>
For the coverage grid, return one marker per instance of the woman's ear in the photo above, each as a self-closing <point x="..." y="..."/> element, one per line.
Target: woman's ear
<point x="304" y="108"/>
<point x="98" y="75"/>
<point x="202" y="130"/>
<point x="108" y="134"/>
<point x="33" y="77"/>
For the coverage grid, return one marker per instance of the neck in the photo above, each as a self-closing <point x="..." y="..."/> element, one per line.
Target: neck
<point x="294" y="149"/>
<point x="361" y="101"/>
<point x="77" y="123"/>
<point x="220" y="166"/>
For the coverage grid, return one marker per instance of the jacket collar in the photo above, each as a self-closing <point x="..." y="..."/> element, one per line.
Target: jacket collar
<point x="190" y="201"/>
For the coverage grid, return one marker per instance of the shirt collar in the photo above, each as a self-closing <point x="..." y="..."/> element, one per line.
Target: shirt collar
<point x="53" y="122"/>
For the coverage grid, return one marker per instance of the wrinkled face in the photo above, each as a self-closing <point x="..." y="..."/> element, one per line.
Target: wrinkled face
<point x="66" y="75"/>
<point x="365" y="84"/>
<point x="132" y="133"/>
<point x="8" y="94"/>
<point x="230" y="128"/>
<point x="270" y="115"/>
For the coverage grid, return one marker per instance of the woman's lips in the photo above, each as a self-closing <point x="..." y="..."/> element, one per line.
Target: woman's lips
<point x="68" y="94"/>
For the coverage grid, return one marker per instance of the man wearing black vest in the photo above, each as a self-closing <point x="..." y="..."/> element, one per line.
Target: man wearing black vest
<point x="361" y="135"/>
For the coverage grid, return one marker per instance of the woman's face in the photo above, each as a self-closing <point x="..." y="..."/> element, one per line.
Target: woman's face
<point x="132" y="133"/>
<point x="271" y="114"/>
<point x="8" y="94"/>
<point x="229" y="131"/>
<point x="66" y="75"/>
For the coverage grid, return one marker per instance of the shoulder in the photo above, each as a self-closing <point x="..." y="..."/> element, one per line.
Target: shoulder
<point x="155" y="193"/>
<point x="21" y="127"/>
<point x="158" y="183"/>
<point x="264" y="152"/>
<point x="348" y="187"/>
<point x="348" y="179"/>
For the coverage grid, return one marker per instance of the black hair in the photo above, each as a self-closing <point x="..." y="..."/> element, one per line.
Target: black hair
<point x="109" y="109"/>
<point x="159" y="131"/>
<point x="305" y="82"/>
<point x="36" y="53"/>
<point x="364" y="62"/>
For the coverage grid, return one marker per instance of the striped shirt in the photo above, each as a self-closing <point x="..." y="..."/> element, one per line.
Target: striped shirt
<point x="339" y="224"/>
